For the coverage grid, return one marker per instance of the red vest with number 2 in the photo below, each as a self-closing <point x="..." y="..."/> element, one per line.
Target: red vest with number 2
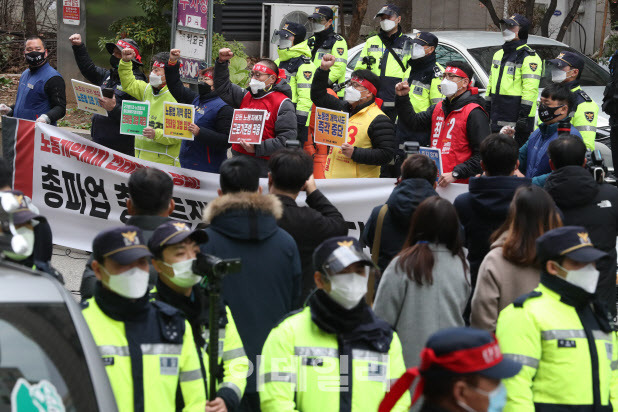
<point x="271" y="103"/>
<point x="451" y="137"/>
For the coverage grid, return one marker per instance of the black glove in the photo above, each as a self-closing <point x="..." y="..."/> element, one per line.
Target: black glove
<point x="521" y="127"/>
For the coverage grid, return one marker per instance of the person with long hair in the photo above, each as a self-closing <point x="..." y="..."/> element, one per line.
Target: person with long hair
<point x="426" y="286"/>
<point x="509" y="270"/>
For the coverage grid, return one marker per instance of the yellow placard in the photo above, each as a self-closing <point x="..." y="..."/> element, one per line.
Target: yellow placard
<point x="176" y="120"/>
<point x="331" y="127"/>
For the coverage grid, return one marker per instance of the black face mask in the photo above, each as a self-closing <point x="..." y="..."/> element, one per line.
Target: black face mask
<point x="113" y="60"/>
<point x="35" y="58"/>
<point x="547" y="114"/>
<point x="203" y="88"/>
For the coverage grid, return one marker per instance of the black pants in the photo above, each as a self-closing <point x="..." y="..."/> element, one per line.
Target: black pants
<point x="613" y="138"/>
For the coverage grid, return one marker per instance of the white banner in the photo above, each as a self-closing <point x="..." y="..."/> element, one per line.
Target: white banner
<point x="81" y="187"/>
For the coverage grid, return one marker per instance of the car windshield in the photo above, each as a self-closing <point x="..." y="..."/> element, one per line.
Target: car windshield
<point x="41" y="360"/>
<point x="593" y="75"/>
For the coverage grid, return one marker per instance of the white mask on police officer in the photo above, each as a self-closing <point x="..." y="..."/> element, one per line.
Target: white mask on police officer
<point x="285" y="43"/>
<point x="387" y="25"/>
<point x="131" y="284"/>
<point x="347" y="289"/>
<point x="318" y="27"/>
<point x="558" y="76"/>
<point x="155" y="81"/>
<point x="352" y="94"/>
<point x="418" y="51"/>
<point x="585" y="278"/>
<point x="183" y="273"/>
<point x="508" y="35"/>
<point x="448" y="87"/>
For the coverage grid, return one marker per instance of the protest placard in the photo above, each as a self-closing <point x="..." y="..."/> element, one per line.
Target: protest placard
<point x="87" y="96"/>
<point x="434" y="154"/>
<point x="330" y="127"/>
<point x="248" y="125"/>
<point x="134" y="117"/>
<point x="176" y="120"/>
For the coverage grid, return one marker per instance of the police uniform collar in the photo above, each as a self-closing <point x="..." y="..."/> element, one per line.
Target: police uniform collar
<point x="423" y="62"/>
<point x="384" y="35"/>
<point x="322" y="36"/>
<point x="511" y="46"/>
<point x="569" y="294"/>
<point x="118" y="307"/>
<point x="572" y="85"/>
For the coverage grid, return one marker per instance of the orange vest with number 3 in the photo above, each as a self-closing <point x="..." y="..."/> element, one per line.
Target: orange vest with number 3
<point x="337" y="165"/>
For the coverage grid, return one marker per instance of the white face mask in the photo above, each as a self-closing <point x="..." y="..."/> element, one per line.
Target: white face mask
<point x="318" y="27"/>
<point x="131" y="284"/>
<point x="585" y="278"/>
<point x="23" y="243"/>
<point x="508" y="35"/>
<point x="155" y="81"/>
<point x="558" y="76"/>
<point x="285" y="44"/>
<point x="352" y="94"/>
<point x="417" y="51"/>
<point x="448" y="87"/>
<point x="347" y="289"/>
<point x="183" y="274"/>
<point x="387" y="25"/>
<point x="255" y="85"/>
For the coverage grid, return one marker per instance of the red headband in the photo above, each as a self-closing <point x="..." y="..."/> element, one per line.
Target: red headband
<point x="456" y="71"/>
<point x="462" y="362"/>
<point x="208" y="75"/>
<point x="158" y="64"/>
<point x="123" y="44"/>
<point x="263" y="69"/>
<point x="366" y="84"/>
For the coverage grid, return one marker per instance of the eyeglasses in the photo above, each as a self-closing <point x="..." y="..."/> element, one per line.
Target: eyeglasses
<point x="258" y="75"/>
<point x="451" y="77"/>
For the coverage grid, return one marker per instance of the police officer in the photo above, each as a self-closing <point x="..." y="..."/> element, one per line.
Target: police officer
<point x="175" y="247"/>
<point x="105" y="130"/>
<point x="567" y="68"/>
<point x="559" y="328"/>
<point x="335" y="354"/>
<point x="383" y="54"/>
<point x="513" y="86"/>
<point x="147" y="347"/>
<point x="41" y="94"/>
<point x="423" y="75"/>
<point x="460" y="370"/>
<point x="295" y="60"/>
<point x="326" y="41"/>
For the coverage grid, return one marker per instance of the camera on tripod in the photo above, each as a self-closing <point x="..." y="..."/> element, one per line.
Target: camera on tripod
<point x="214" y="269"/>
<point x="596" y="165"/>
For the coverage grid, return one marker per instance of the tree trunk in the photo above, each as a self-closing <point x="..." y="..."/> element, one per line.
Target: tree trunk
<point x="530" y="13"/>
<point x="341" y="20"/>
<point x="549" y="12"/>
<point x="29" y="18"/>
<point x="357" y="20"/>
<point x="492" y="11"/>
<point x="613" y="14"/>
<point x="568" y="20"/>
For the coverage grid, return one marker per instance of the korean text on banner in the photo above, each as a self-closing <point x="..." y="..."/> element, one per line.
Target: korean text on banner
<point x="434" y="154"/>
<point x="70" y="12"/>
<point x="134" y="117"/>
<point x="87" y="96"/>
<point x="176" y="120"/>
<point x="330" y="127"/>
<point x="248" y="125"/>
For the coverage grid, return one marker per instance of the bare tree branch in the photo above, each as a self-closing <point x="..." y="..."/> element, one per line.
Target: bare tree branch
<point x="357" y="20"/>
<point x="29" y="18"/>
<point x="568" y="19"/>
<point x="492" y="11"/>
<point x="549" y="12"/>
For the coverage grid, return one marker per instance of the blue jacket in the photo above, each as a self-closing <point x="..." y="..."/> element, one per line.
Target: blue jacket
<point x="32" y="101"/>
<point x="533" y="156"/>
<point x="244" y="225"/>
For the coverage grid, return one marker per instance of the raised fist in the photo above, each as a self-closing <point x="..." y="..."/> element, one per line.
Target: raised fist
<point x="128" y="54"/>
<point x="402" y="88"/>
<point x="327" y="62"/>
<point x="76" y="39"/>
<point x="174" y="55"/>
<point x="225" y="55"/>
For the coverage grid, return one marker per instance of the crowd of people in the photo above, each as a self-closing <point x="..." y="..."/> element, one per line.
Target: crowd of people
<point x="503" y="299"/>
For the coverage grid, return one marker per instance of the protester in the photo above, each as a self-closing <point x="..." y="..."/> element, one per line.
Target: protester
<point x="243" y="224"/>
<point x="485" y="206"/>
<point x="41" y="94"/>
<point x="460" y="370"/>
<point x="266" y="91"/>
<point x="325" y="41"/>
<point x="510" y="269"/>
<point x="560" y="328"/>
<point x="554" y="108"/>
<point x="567" y="69"/>
<point x="383" y="55"/>
<point x="319" y="152"/>
<point x="105" y="130"/>
<point x="174" y="248"/>
<point x="424" y="75"/>
<point x="372" y="144"/>
<point x="426" y="286"/>
<point x="417" y="183"/>
<point x="290" y="173"/>
<point x="304" y="355"/>
<point x="147" y="347"/>
<point x="588" y="203"/>
<point x="149" y="205"/>
<point x="213" y="118"/>
<point x="513" y="86"/>
<point x="295" y="60"/>
<point x="458" y="123"/>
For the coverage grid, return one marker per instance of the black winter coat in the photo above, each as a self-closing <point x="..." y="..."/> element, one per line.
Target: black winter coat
<point x="402" y="203"/>
<point x="106" y="130"/>
<point x="381" y="130"/>
<point x="310" y="226"/>
<point x="594" y="206"/>
<point x="482" y="210"/>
